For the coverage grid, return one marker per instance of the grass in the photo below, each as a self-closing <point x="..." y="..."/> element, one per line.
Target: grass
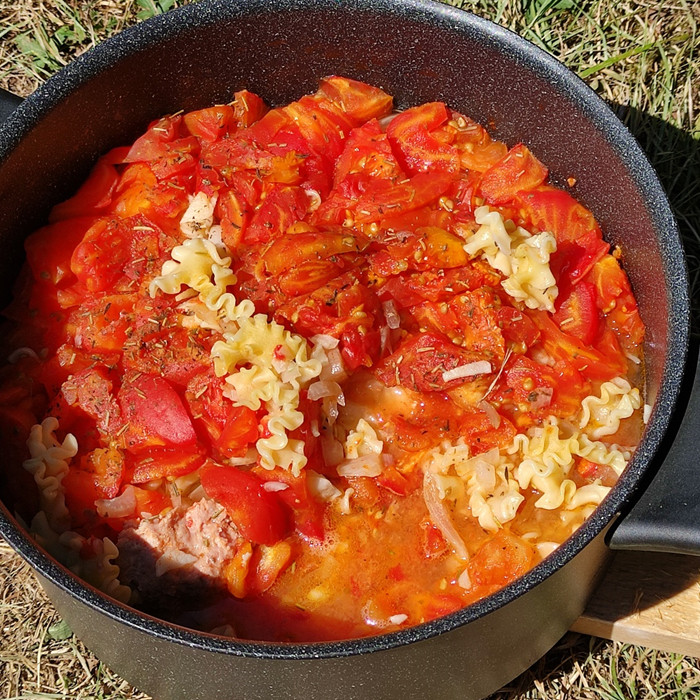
<point x="642" y="58"/>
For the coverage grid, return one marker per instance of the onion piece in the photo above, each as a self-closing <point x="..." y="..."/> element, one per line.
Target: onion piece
<point x="173" y="559"/>
<point x="332" y="449"/>
<point x="441" y="517"/>
<point x="398" y="619"/>
<point x="327" y="342"/>
<point x="367" y="465"/>
<point x="119" y="507"/>
<point x="388" y="459"/>
<point x="322" y="488"/>
<point x="272" y="486"/>
<point x="335" y="364"/>
<point x="471" y="369"/>
<point x="464" y="581"/>
<point x="321" y="389"/>
<point x="491" y="413"/>
<point x="391" y="314"/>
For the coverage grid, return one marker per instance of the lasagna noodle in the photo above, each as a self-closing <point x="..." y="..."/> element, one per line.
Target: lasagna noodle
<point x="602" y="414"/>
<point x="48" y="464"/>
<point x="522" y="258"/>
<point x="542" y="459"/>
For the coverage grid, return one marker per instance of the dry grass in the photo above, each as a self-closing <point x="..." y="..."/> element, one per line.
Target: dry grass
<point x="642" y="57"/>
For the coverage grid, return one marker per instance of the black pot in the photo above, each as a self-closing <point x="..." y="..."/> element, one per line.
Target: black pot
<point x="417" y="51"/>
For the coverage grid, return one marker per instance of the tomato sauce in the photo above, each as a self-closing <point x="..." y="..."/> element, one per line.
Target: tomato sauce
<point x="316" y="372"/>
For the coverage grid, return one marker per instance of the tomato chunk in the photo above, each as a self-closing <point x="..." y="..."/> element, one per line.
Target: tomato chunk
<point x="150" y="403"/>
<point x="257" y="513"/>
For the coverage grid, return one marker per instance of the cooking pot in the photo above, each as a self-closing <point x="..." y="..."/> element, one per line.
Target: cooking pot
<point x="418" y="52"/>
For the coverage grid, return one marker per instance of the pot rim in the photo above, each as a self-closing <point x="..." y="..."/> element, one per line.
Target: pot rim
<point x="167" y="26"/>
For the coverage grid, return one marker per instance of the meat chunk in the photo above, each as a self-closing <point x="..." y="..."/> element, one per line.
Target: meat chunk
<point x="179" y="554"/>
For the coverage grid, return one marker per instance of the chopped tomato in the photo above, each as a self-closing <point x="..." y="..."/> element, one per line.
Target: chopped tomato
<point x="577" y="313"/>
<point x="91" y="390"/>
<point x="470" y="320"/>
<point x="477" y="151"/>
<point x="519" y="170"/>
<point x="240" y="430"/>
<point x="420" y="362"/>
<point x="108" y="469"/>
<point x="569" y="349"/>
<point x="102" y="323"/>
<point x="307" y="512"/>
<point x="158" y="462"/>
<point x="150" y="502"/>
<point x="257" y="513"/>
<point x="518" y="329"/>
<point x="429" y="248"/>
<point x="117" y="250"/>
<point x="546" y="208"/>
<point x="154" y="409"/>
<point x="361" y="102"/>
<point x="290" y="251"/>
<point x="283" y="206"/>
<point x="393" y="480"/>
<point x="211" y="123"/>
<point x="411" y="134"/>
<point x="368" y="151"/>
<point x="368" y="202"/>
<point x="615" y="299"/>
<point x="152" y="144"/>
<point x="502" y="559"/>
<point x="248" y="108"/>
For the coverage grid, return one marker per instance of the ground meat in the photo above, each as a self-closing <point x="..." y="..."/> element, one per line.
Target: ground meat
<point x="181" y="553"/>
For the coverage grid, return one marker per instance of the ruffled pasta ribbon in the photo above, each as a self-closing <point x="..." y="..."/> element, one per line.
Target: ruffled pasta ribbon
<point x="264" y="364"/>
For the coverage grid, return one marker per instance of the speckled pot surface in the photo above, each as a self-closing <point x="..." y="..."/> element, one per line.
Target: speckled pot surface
<point x="418" y="52"/>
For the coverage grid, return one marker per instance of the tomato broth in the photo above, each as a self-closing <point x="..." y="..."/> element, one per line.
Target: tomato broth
<point x="316" y="372"/>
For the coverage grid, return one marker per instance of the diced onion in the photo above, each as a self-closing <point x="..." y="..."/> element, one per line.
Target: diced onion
<point x="272" y="486"/>
<point x="320" y="487"/>
<point x="330" y="409"/>
<point x="398" y="619"/>
<point x="327" y="342"/>
<point x="367" y="465"/>
<point x="472" y="369"/>
<point x="173" y="559"/>
<point x="647" y="413"/>
<point x="314" y="199"/>
<point x="388" y="459"/>
<point x="384" y="339"/>
<point x="175" y="495"/>
<point x="335" y="364"/>
<point x="491" y="413"/>
<point x="441" y="517"/>
<point x="464" y="581"/>
<point x="332" y="449"/>
<point x="544" y="549"/>
<point x="215" y="235"/>
<point x="391" y="314"/>
<point x="345" y="501"/>
<point x="319" y="390"/>
<point x="119" y="507"/>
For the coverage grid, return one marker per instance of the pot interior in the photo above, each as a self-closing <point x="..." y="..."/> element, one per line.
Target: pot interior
<point x="417" y="52"/>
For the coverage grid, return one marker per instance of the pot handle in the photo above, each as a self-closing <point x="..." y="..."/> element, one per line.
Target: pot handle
<point x="8" y="103"/>
<point x="666" y="518"/>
